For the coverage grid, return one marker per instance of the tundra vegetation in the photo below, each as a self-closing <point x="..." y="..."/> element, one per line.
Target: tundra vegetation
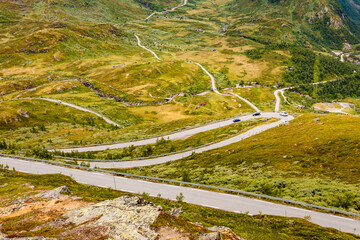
<point x="19" y="185"/>
<point x="85" y="53"/>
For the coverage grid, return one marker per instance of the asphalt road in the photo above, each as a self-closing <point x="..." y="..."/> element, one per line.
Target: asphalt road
<point x="177" y="156"/>
<point x="227" y="202"/>
<point x="80" y="108"/>
<point x="171" y="10"/>
<point x="173" y="136"/>
<point x="278" y="99"/>
<point x="213" y="86"/>
<point x="152" y="52"/>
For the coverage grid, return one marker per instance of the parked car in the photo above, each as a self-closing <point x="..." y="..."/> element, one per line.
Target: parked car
<point x="256" y="114"/>
<point x="236" y="120"/>
<point x="284" y="114"/>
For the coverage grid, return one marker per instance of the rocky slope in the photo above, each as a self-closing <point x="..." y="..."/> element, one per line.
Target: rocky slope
<point x="68" y="217"/>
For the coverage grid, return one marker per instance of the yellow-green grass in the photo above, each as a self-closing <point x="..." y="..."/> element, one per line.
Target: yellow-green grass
<point x="263" y="97"/>
<point x="159" y="79"/>
<point x="33" y="112"/>
<point x="245" y="226"/>
<point x="165" y="146"/>
<point x="139" y="121"/>
<point x="313" y="159"/>
<point x="238" y="67"/>
<point x="334" y="107"/>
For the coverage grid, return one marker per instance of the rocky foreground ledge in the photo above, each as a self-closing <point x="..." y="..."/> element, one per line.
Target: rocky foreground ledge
<point x="127" y="217"/>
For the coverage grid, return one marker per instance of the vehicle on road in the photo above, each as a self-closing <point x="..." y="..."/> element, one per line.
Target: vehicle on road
<point x="284" y="114"/>
<point x="236" y="120"/>
<point x="256" y="114"/>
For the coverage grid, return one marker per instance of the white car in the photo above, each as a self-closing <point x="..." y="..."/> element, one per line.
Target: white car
<point x="284" y="114"/>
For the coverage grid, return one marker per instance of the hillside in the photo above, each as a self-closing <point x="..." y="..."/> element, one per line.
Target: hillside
<point x="129" y="75"/>
<point x="315" y="159"/>
<point x="35" y="206"/>
<point x="318" y="24"/>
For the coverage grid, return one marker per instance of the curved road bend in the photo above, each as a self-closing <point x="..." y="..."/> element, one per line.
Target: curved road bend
<point x="213" y="86"/>
<point x="171" y="10"/>
<point x="177" y="156"/>
<point x="278" y="99"/>
<point x="173" y="136"/>
<point x="227" y="202"/>
<point x="213" y="83"/>
<point x="79" y="108"/>
<point x="152" y="52"/>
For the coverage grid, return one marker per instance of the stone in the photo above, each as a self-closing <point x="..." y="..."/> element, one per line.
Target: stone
<point x="175" y="211"/>
<point x="210" y="236"/>
<point x="226" y="232"/>
<point x="55" y="193"/>
<point x="23" y="113"/>
<point x="127" y="217"/>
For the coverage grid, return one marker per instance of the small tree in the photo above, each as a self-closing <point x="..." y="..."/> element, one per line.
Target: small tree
<point x="172" y="148"/>
<point x="42" y="128"/>
<point x="186" y="177"/>
<point x="180" y="197"/>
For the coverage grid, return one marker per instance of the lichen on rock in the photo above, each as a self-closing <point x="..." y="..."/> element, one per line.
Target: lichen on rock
<point x="126" y="217"/>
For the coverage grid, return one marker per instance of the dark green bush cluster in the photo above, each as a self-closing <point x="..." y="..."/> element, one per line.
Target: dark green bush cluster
<point x="305" y="64"/>
<point x="335" y="90"/>
<point x="256" y="53"/>
<point x="40" y="153"/>
<point x="4" y="145"/>
<point x="303" y="61"/>
<point x="330" y="67"/>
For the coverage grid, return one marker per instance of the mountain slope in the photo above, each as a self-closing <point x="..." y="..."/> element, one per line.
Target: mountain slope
<point x="321" y="24"/>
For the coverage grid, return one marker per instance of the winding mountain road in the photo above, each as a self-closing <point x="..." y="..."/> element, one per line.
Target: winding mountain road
<point x="79" y="108"/>
<point x="278" y="99"/>
<point x="152" y="52"/>
<point x="213" y="82"/>
<point x="173" y="136"/>
<point x="227" y="202"/>
<point x="213" y="86"/>
<point x="170" y="10"/>
<point x="178" y="156"/>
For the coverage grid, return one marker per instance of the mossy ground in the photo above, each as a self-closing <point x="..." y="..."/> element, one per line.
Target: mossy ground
<point x="249" y="227"/>
<point x="308" y="160"/>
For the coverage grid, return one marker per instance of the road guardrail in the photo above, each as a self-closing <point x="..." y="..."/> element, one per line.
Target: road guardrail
<point x="190" y="184"/>
<point x="156" y="136"/>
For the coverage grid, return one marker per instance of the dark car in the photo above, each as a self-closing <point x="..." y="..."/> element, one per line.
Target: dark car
<point x="256" y="114"/>
<point x="236" y="120"/>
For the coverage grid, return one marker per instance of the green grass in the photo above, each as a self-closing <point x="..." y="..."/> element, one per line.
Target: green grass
<point x="309" y="161"/>
<point x="165" y="146"/>
<point x="263" y="98"/>
<point x="36" y="112"/>
<point x="248" y="227"/>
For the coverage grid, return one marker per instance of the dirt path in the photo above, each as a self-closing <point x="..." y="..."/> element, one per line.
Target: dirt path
<point x="152" y="52"/>
<point x="170" y="10"/>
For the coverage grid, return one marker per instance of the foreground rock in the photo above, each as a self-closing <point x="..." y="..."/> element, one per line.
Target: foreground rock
<point x="55" y="193"/>
<point x="55" y="212"/>
<point x="121" y="218"/>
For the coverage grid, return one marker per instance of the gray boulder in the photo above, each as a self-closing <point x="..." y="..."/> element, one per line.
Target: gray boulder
<point x="127" y="217"/>
<point x="54" y="193"/>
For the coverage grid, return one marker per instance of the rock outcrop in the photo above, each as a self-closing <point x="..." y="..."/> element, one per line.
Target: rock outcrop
<point x="54" y="193"/>
<point x="126" y="217"/>
<point x="70" y="217"/>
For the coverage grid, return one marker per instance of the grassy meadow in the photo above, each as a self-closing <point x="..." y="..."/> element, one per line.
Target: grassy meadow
<point x="313" y="159"/>
<point x="250" y="227"/>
